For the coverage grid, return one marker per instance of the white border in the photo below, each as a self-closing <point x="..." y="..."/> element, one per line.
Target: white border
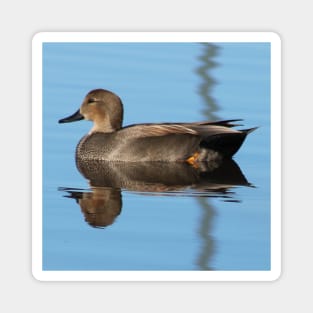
<point x="270" y="37"/>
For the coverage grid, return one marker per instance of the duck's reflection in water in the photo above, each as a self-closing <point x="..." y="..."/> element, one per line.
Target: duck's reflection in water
<point x="100" y="206"/>
<point x="103" y="202"/>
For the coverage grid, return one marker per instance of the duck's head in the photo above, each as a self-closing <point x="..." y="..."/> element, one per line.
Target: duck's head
<point x="101" y="106"/>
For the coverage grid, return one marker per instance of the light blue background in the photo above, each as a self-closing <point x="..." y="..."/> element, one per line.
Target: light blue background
<point x="157" y="82"/>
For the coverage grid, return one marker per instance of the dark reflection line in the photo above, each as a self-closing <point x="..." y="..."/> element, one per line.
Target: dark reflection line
<point x="205" y="228"/>
<point x="209" y="52"/>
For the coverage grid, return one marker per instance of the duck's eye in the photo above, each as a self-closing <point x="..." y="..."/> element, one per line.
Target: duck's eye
<point x="91" y="100"/>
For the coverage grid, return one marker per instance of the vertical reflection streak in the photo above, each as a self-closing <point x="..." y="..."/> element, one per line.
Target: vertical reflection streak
<point x="209" y="52"/>
<point x="207" y="63"/>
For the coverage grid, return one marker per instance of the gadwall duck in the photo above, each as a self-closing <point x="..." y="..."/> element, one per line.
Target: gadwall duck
<point x="168" y="142"/>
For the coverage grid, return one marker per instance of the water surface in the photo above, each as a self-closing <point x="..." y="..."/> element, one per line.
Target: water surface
<point x="163" y="218"/>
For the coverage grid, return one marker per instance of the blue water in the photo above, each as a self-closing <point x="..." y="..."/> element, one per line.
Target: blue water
<point x="225" y="226"/>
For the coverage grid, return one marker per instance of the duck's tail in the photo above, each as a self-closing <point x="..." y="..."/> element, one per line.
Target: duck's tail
<point x="227" y="144"/>
<point x="249" y="130"/>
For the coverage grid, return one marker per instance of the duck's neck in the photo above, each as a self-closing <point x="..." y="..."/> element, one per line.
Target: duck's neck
<point x="103" y="126"/>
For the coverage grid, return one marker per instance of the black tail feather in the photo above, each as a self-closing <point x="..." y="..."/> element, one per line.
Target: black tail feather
<point x="227" y="143"/>
<point x="249" y="130"/>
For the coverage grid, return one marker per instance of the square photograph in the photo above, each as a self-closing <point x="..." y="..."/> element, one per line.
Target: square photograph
<point x="156" y="156"/>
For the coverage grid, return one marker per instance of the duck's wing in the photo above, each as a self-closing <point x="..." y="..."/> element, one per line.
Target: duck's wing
<point x="202" y="129"/>
<point x="185" y="139"/>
